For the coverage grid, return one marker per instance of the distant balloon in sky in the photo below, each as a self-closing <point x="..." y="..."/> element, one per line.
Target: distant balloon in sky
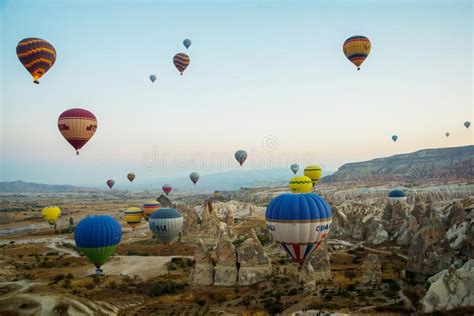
<point x="133" y="216"/>
<point x="447" y="134"/>
<point x="110" y="183"/>
<point x="294" y="167"/>
<point x="467" y="124"/>
<point x="194" y="176"/>
<point x="314" y="172"/>
<point x="77" y="126"/>
<point x="394" y="138"/>
<point x="51" y="214"/>
<point x="150" y="207"/>
<point x="357" y="48"/>
<point x="299" y="223"/>
<point x="187" y="43"/>
<point x="152" y="78"/>
<point x="166" y="224"/>
<point x="240" y="156"/>
<point x="37" y="56"/>
<point x="167" y="188"/>
<point x="97" y="237"/>
<point x="181" y="62"/>
<point x="131" y="176"/>
<point x="301" y="184"/>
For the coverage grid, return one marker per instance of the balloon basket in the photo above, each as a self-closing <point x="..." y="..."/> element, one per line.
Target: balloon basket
<point x="99" y="271"/>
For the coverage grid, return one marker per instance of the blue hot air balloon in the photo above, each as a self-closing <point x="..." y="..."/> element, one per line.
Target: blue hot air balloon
<point x="240" y="156"/>
<point x="166" y="224"/>
<point x="187" y="43"/>
<point x="299" y="223"/>
<point x="97" y="237"/>
<point x="394" y="138"/>
<point x="294" y="167"/>
<point x="395" y="195"/>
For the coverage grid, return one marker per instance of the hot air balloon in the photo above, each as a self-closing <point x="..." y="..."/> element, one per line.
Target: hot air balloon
<point x="51" y="214"/>
<point x="313" y="172"/>
<point x="166" y="188"/>
<point x="217" y="194"/>
<point x="394" y="138"/>
<point x="37" y="55"/>
<point x="181" y="62"/>
<point x="194" y="176"/>
<point x="301" y="184"/>
<point x="149" y="208"/>
<point x="240" y="156"/>
<point x="77" y="126"/>
<point x="467" y="124"/>
<point x="357" y="48"/>
<point x="447" y="134"/>
<point x="131" y="176"/>
<point x="397" y="195"/>
<point x="166" y="224"/>
<point x="133" y="216"/>
<point x="97" y="237"/>
<point x="152" y="78"/>
<point x="187" y="43"/>
<point x="299" y="223"/>
<point x="110" y="183"/>
<point x="294" y="167"/>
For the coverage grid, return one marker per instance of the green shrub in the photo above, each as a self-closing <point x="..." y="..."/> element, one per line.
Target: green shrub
<point x="164" y="287"/>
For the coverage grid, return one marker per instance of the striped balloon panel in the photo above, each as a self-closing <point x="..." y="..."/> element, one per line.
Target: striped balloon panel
<point x="133" y="216"/>
<point x="356" y="49"/>
<point x="299" y="232"/>
<point x="300" y="252"/>
<point x="181" y="62"/>
<point x="166" y="229"/>
<point x="149" y="208"/>
<point x="77" y="126"/>
<point x="37" y="55"/>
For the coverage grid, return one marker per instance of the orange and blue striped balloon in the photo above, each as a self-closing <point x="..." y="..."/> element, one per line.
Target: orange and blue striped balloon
<point x="37" y="55"/>
<point x="181" y="62"/>
<point x="357" y="48"/>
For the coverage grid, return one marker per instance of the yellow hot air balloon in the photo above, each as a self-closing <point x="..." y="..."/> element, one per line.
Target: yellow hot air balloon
<point x="357" y="48"/>
<point x="313" y="172"/>
<point x="51" y="214"/>
<point x="133" y="216"/>
<point x="301" y="184"/>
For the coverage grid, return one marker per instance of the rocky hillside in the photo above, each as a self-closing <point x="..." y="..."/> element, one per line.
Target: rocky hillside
<point x="29" y="187"/>
<point x="441" y="164"/>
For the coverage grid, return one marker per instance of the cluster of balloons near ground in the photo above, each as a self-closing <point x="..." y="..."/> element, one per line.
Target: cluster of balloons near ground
<point x="97" y="236"/>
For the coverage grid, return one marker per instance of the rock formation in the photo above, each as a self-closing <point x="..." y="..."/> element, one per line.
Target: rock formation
<point x="371" y="270"/>
<point x="460" y="233"/>
<point x="320" y="262"/>
<point x="394" y="216"/>
<point x="375" y="232"/>
<point x="307" y="277"/>
<point x="429" y="164"/>
<point x="164" y="201"/>
<point x="450" y="289"/>
<point x="203" y="273"/>
<point x="429" y="251"/>
<point x="226" y="267"/>
<point x="255" y="265"/>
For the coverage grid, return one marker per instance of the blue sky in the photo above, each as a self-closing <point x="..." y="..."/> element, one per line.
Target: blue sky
<point x="266" y="76"/>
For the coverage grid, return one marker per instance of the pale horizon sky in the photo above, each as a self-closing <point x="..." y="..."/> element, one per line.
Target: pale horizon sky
<point x="269" y="77"/>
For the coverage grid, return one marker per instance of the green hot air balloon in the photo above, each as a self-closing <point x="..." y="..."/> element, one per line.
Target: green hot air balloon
<point x="294" y="167"/>
<point x="394" y="138"/>
<point x="152" y="78"/>
<point x="467" y="124"/>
